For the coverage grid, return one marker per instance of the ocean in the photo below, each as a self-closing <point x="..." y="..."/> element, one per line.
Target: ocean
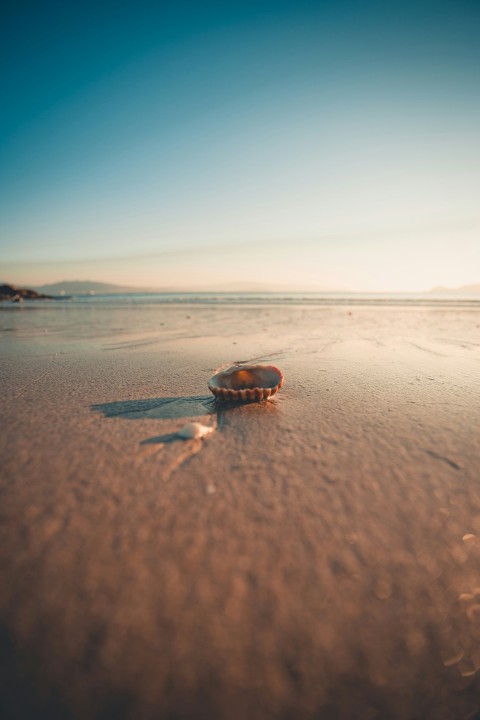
<point x="270" y="298"/>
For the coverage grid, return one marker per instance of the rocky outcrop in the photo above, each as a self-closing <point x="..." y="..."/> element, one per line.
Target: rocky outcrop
<point x="15" y="294"/>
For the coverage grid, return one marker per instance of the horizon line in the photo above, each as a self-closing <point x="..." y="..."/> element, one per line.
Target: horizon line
<point x="119" y="289"/>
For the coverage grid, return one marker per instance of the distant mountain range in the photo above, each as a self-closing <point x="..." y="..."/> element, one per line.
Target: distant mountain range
<point x="84" y="287"/>
<point x="88" y="287"/>
<point x="464" y="290"/>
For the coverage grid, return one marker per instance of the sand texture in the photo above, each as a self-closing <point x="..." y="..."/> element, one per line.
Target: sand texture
<point x="315" y="557"/>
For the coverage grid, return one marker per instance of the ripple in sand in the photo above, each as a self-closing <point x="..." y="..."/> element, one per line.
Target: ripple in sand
<point x="453" y="658"/>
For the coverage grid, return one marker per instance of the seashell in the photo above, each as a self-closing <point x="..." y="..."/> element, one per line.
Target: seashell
<point x="246" y="383"/>
<point x="194" y="430"/>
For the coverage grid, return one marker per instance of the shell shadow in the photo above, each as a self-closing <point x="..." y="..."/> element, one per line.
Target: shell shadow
<point x="169" y="408"/>
<point x="164" y="439"/>
<point x="158" y="408"/>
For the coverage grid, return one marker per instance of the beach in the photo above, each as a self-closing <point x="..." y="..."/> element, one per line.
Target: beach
<point x="316" y="556"/>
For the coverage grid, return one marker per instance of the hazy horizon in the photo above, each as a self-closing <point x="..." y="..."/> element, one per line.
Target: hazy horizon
<point x="310" y="143"/>
<point x="86" y="286"/>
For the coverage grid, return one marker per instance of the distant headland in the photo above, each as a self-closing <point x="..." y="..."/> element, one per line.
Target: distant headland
<point x="16" y="294"/>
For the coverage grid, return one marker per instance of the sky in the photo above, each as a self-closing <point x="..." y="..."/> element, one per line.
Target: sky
<point x="302" y="145"/>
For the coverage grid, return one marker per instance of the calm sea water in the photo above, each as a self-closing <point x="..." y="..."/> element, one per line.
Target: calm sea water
<point x="275" y="298"/>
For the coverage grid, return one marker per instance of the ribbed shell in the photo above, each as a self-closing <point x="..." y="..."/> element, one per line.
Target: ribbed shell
<point x="246" y="383"/>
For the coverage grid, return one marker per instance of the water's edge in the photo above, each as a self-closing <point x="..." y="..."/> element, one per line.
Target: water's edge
<point x="183" y="298"/>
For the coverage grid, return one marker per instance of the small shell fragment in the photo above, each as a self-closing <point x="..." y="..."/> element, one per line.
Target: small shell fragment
<point x="246" y="383"/>
<point x="194" y="430"/>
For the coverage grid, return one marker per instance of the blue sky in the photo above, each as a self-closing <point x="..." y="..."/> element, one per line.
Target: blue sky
<point x="330" y="145"/>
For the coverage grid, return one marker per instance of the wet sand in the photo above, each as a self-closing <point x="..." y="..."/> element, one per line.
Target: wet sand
<point x="317" y="556"/>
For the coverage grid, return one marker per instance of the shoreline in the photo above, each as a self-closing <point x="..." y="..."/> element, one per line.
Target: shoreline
<point x="262" y="299"/>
